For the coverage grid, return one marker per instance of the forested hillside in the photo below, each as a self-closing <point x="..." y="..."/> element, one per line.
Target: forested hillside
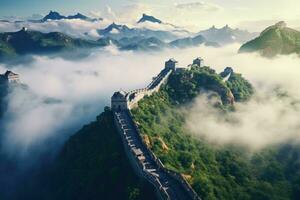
<point x="274" y="40"/>
<point x="92" y="165"/>
<point x="226" y="172"/>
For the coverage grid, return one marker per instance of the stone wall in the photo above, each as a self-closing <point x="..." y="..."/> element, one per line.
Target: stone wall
<point x="132" y="99"/>
<point x="134" y="96"/>
<point x="160" y="192"/>
<point x="173" y="174"/>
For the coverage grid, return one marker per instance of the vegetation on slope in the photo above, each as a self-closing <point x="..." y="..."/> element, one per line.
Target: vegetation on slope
<point x="227" y="172"/>
<point x="275" y="40"/>
<point x="30" y="42"/>
<point x="92" y="165"/>
<point x="241" y="89"/>
<point x="184" y="86"/>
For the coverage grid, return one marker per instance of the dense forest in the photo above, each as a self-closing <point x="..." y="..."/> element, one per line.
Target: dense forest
<point x="92" y="165"/>
<point x="227" y="172"/>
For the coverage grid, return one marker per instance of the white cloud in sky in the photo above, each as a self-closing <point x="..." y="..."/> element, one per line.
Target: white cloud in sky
<point x="198" y="6"/>
<point x="197" y="15"/>
<point x="74" y="27"/>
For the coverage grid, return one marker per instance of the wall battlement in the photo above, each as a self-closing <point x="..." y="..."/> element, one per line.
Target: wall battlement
<point x="127" y="100"/>
<point x="168" y="184"/>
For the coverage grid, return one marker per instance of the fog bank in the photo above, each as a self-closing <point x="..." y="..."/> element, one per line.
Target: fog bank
<point x="271" y="117"/>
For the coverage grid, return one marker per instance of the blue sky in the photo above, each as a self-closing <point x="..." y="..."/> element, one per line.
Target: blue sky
<point x="197" y="13"/>
<point x="29" y="7"/>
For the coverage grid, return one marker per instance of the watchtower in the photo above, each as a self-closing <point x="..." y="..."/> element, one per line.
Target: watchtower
<point x="11" y="77"/>
<point x="118" y="101"/>
<point x="198" y="61"/>
<point x="171" y="64"/>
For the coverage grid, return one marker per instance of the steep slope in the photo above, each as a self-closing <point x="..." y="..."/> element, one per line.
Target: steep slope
<point x="92" y="165"/>
<point x="195" y="80"/>
<point x="29" y="42"/>
<point x="225" y="172"/>
<point x="275" y="40"/>
<point x="241" y="89"/>
<point x="227" y="35"/>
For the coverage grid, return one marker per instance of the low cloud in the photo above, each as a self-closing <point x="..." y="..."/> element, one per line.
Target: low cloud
<point x="64" y="95"/>
<point x="265" y="120"/>
<point x="80" y="89"/>
<point x="72" y="27"/>
<point x="269" y="118"/>
<point x="199" y="6"/>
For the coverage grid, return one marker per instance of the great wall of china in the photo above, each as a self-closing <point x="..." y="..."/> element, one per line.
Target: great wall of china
<point x="169" y="185"/>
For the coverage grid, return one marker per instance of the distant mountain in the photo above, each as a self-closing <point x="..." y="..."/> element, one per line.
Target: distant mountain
<point x="192" y="41"/>
<point x="152" y="43"/>
<point x="13" y="44"/>
<point x="227" y="35"/>
<point x="4" y="20"/>
<point x="53" y="16"/>
<point x="145" y="44"/>
<point x="78" y="16"/>
<point x="130" y="40"/>
<point x="164" y="25"/>
<point x="57" y="16"/>
<point x="116" y="31"/>
<point x="34" y="42"/>
<point x="275" y="40"/>
<point x="148" y="18"/>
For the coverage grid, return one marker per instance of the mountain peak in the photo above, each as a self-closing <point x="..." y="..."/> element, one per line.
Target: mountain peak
<point x="113" y="28"/>
<point x="281" y="24"/>
<point x="53" y="15"/>
<point x="114" y="25"/>
<point x="149" y="18"/>
<point x="78" y="16"/>
<point x="226" y="27"/>
<point x="272" y="41"/>
<point x="227" y="35"/>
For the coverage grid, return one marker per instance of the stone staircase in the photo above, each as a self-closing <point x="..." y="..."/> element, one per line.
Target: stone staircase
<point x="170" y="186"/>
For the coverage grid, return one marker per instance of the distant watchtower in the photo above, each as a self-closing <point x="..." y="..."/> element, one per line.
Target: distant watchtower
<point x="171" y="64"/>
<point x="199" y="62"/>
<point x="118" y="101"/>
<point x="226" y="72"/>
<point x="10" y="77"/>
<point x="24" y="29"/>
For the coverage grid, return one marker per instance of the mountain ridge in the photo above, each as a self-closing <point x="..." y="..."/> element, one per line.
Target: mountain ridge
<point x="34" y="42"/>
<point x="54" y="15"/>
<point x="227" y="35"/>
<point x="277" y="39"/>
<point x="149" y="18"/>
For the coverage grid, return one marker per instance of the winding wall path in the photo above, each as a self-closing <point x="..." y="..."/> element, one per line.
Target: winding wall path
<point x="168" y="184"/>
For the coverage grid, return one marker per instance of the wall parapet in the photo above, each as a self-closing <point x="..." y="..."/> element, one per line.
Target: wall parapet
<point x="172" y="173"/>
<point x="128" y="129"/>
